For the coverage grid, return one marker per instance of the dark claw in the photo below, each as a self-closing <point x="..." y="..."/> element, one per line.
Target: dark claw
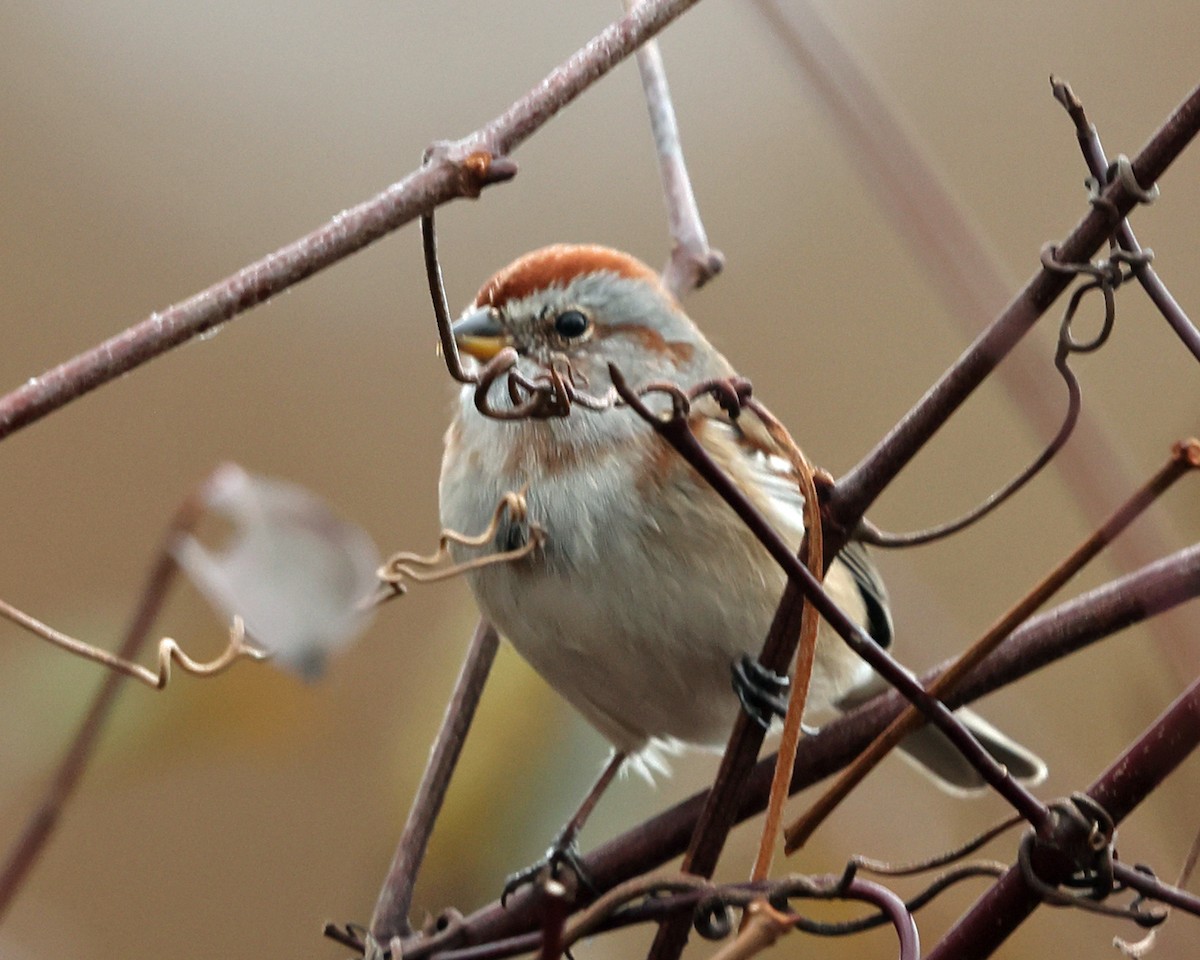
<point x="763" y="693"/>
<point x="563" y="855"/>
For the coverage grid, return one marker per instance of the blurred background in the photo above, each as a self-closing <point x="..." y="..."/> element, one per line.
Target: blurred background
<point x="150" y="149"/>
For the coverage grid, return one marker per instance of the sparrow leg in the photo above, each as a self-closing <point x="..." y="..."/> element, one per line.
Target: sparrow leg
<point x="762" y="692"/>
<point x="564" y="848"/>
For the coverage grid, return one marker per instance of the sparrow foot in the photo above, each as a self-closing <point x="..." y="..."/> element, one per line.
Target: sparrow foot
<point x="762" y="692"/>
<point x="563" y="855"/>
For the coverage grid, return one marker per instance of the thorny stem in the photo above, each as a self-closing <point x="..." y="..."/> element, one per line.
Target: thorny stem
<point x="1043" y="639"/>
<point x="459" y="169"/>
<point x="41" y="824"/>
<point x="1097" y="161"/>
<point x="1184" y="457"/>
<point x="693" y="262"/>
<point x="1127" y="781"/>
<point x="856" y="491"/>
<point x="395" y="898"/>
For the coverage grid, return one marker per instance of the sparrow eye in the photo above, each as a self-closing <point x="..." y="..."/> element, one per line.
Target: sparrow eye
<point x="570" y="324"/>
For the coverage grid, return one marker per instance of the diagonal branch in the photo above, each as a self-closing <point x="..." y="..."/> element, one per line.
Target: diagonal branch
<point x="395" y="898"/>
<point x="856" y="491"/>
<point x="964" y="270"/>
<point x="1184" y="457"/>
<point x="453" y="170"/>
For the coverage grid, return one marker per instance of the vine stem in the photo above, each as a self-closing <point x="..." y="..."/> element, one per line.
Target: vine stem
<point x="42" y="823"/>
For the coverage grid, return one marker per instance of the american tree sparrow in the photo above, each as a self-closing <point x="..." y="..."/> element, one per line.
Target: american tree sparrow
<point x="648" y="589"/>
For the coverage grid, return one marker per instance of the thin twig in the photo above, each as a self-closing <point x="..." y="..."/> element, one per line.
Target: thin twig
<point x="693" y="262"/>
<point x="1043" y="639"/>
<point x="940" y="860"/>
<point x="857" y="490"/>
<point x="40" y="826"/>
<point x="965" y="271"/>
<point x="1097" y="161"/>
<point x="458" y="169"/>
<point x="1154" y="889"/>
<point x="1184" y="457"/>
<point x="237" y="648"/>
<point x="395" y="897"/>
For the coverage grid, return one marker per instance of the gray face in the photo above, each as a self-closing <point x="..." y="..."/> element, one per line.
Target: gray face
<point x="601" y="318"/>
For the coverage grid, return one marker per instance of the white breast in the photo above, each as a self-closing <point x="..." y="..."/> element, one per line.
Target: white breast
<point x="644" y="595"/>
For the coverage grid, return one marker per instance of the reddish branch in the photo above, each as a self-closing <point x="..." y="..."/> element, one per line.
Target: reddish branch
<point x="453" y="170"/>
<point x="941" y="238"/>
<point x="855" y="492"/>
<point x="1185" y="457"/>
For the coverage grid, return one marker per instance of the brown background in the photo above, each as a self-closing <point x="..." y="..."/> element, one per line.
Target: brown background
<point x="149" y="149"/>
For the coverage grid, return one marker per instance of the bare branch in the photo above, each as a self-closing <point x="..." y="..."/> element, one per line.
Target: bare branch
<point x="458" y="169"/>
<point x="965" y="271"/>
<point x="857" y="490"/>
<point x="1097" y="161"/>
<point x="693" y="262"/>
<point x="1184" y="458"/>
<point x="395" y="898"/>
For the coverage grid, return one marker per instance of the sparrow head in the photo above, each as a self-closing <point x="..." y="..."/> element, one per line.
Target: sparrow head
<point x="591" y="306"/>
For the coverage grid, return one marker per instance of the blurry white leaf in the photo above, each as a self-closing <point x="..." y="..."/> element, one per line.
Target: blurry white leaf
<point x="294" y="572"/>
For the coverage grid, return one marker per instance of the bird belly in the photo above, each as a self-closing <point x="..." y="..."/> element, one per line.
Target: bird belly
<point x="640" y="658"/>
<point x="636" y="607"/>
